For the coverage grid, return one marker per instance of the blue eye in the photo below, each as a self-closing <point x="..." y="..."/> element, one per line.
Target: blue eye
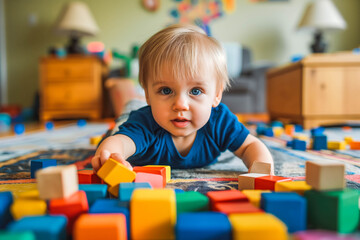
<point x="195" y="91"/>
<point x="165" y="91"/>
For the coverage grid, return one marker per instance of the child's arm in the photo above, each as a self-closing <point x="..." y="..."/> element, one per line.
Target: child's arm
<point x="119" y="147"/>
<point x="253" y="150"/>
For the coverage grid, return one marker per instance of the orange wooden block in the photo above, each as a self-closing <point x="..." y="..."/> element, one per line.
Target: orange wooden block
<point x="268" y="182"/>
<point x="88" y="177"/>
<point x="289" y="129"/>
<point x="155" y="180"/>
<point x="236" y="207"/>
<point x="226" y="196"/>
<point x="72" y="207"/>
<point x="354" y="145"/>
<point x="154" y="170"/>
<point x="101" y="226"/>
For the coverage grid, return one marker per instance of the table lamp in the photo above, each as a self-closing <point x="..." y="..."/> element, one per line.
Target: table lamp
<point x="320" y="16"/>
<point x="76" y="21"/>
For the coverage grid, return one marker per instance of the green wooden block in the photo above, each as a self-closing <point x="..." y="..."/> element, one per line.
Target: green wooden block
<point x="191" y="202"/>
<point x="5" y="235"/>
<point x="333" y="210"/>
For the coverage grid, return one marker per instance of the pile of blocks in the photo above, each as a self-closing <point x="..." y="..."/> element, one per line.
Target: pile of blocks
<point x="119" y="203"/>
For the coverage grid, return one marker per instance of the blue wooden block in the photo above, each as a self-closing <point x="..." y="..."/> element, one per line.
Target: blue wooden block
<point x="6" y="199"/>
<point x="289" y="207"/>
<point x="298" y="128"/>
<point x="112" y="206"/>
<point x="277" y="124"/>
<point x="289" y="143"/>
<point x="203" y="225"/>
<point x="317" y="131"/>
<point x="178" y="190"/>
<point x="41" y="163"/>
<point x="299" y="145"/>
<point x="269" y="132"/>
<point x="44" y="227"/>
<point x="319" y="142"/>
<point x="94" y="191"/>
<point x="126" y="189"/>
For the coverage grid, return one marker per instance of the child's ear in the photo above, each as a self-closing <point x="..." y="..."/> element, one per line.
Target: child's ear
<point x="218" y="97"/>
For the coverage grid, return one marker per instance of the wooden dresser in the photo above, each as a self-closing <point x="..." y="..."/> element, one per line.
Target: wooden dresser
<point x="71" y="88"/>
<point x="320" y="89"/>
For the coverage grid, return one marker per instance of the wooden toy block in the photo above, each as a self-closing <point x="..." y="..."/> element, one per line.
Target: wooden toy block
<point x="155" y="180"/>
<point x="114" y="191"/>
<point x="336" y="145"/>
<point x="299" y="145"/>
<point x="101" y="226"/>
<point x="301" y="137"/>
<point x="88" y="177"/>
<point x="203" y="225"/>
<point x="288" y="207"/>
<point x="27" y="235"/>
<point x="32" y="194"/>
<point x="225" y="196"/>
<point x="126" y="189"/>
<point x="178" y="190"/>
<point x="319" y="142"/>
<point x="317" y="131"/>
<point x="6" y="200"/>
<point x="114" y="173"/>
<point x="39" y="164"/>
<point x="158" y="208"/>
<point x="72" y="207"/>
<point x="191" y="202"/>
<point x="325" y="175"/>
<point x="247" y="180"/>
<point x="28" y="207"/>
<point x="57" y="182"/>
<point x="254" y="196"/>
<point x="268" y="132"/>
<point x="43" y="227"/>
<point x="278" y="131"/>
<point x="268" y="182"/>
<point x="355" y="145"/>
<point x="95" y="140"/>
<point x="294" y="186"/>
<point x="236" y="207"/>
<point x="154" y="170"/>
<point x="93" y="191"/>
<point x="167" y="168"/>
<point x="257" y="226"/>
<point x="348" y="140"/>
<point x="261" y="167"/>
<point x="289" y="129"/>
<point x="333" y="210"/>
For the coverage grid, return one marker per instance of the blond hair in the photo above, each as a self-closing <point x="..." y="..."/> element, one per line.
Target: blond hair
<point x="186" y="50"/>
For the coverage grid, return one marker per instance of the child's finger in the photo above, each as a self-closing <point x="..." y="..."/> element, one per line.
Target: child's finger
<point x="104" y="155"/>
<point x="95" y="162"/>
<point x="119" y="158"/>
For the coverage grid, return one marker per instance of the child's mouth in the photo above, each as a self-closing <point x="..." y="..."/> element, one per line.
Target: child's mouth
<point x="180" y="123"/>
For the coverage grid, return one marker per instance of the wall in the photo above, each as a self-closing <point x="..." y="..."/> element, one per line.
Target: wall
<point x="269" y="29"/>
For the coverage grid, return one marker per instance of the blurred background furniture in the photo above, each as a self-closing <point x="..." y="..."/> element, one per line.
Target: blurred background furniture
<point x="247" y="91"/>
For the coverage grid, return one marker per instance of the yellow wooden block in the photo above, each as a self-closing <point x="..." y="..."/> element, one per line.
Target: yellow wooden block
<point x="32" y="194"/>
<point x="167" y="169"/>
<point x="95" y="140"/>
<point x="254" y="195"/>
<point x="336" y="145"/>
<point x="113" y="173"/>
<point x="153" y="214"/>
<point x="57" y="182"/>
<point x="348" y="139"/>
<point x="114" y="190"/>
<point x="278" y="131"/>
<point x="301" y="137"/>
<point x="257" y="226"/>
<point x="294" y="186"/>
<point x="27" y="207"/>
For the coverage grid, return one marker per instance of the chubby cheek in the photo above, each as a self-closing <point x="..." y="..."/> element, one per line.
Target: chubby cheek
<point x="201" y="116"/>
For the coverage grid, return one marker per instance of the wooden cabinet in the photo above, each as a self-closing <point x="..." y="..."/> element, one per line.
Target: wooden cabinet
<point x="71" y="88"/>
<point x="320" y="89"/>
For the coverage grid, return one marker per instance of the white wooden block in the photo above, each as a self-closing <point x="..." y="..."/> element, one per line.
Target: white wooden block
<point x="247" y="180"/>
<point x="261" y="167"/>
<point x="325" y="175"/>
<point x="57" y="182"/>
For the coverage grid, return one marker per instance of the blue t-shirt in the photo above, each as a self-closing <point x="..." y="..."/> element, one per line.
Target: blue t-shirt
<point x="154" y="145"/>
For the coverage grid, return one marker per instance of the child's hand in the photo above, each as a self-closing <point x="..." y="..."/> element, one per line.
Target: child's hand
<point x="99" y="159"/>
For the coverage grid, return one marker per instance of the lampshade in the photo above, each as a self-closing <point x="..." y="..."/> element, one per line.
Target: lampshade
<point x="76" y="20"/>
<point x="322" y="15"/>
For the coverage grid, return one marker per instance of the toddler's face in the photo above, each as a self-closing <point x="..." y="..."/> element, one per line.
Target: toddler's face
<point x="182" y="106"/>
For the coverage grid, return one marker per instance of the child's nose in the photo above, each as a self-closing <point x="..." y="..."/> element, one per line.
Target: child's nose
<point x="181" y="103"/>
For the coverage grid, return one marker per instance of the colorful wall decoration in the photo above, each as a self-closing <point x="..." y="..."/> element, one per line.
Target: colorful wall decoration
<point x="201" y="12"/>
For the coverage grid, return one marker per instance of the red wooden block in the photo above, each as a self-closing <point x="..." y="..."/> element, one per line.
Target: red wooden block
<point x="154" y="170"/>
<point x="88" y="177"/>
<point x="226" y="196"/>
<point x="268" y="182"/>
<point x="155" y="180"/>
<point x="235" y="207"/>
<point x="354" y="145"/>
<point x="72" y="207"/>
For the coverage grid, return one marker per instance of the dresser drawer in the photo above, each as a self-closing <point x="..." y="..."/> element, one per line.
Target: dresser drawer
<point x="63" y="71"/>
<point x="78" y="95"/>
